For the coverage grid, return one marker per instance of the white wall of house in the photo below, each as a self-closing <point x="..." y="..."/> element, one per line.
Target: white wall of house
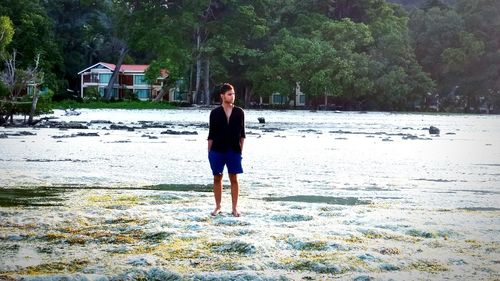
<point x="300" y="97"/>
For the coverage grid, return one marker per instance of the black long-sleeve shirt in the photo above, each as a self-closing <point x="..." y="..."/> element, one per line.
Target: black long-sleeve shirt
<point x="226" y="135"/>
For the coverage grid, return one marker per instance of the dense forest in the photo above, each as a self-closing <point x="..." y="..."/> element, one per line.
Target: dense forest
<point x="357" y="54"/>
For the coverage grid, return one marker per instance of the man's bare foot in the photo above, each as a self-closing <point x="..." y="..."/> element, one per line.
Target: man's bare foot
<point x="236" y="213"/>
<point x="215" y="212"/>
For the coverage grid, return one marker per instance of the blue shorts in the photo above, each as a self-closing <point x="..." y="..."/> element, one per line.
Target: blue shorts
<point x="230" y="158"/>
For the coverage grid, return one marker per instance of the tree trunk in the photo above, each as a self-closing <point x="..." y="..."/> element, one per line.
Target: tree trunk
<point x="36" y="95"/>
<point x="159" y="97"/>
<point x="114" y="76"/>
<point x="190" y="88"/>
<point x="198" y="66"/>
<point x="248" y="95"/>
<point x="206" y="81"/>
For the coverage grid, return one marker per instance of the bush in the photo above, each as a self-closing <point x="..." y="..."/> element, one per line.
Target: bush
<point x="3" y="90"/>
<point x="129" y="95"/>
<point x="91" y="94"/>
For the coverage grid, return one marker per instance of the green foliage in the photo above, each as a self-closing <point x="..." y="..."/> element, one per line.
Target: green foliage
<point x="129" y="95"/>
<point x="6" y="32"/>
<point x="91" y="94"/>
<point x="34" y="34"/>
<point x="4" y="91"/>
<point x="358" y="52"/>
<point x="459" y="48"/>
<point x="82" y="34"/>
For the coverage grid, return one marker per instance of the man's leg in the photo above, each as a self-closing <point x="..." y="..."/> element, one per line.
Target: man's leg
<point x="217" y="194"/>
<point x="235" y="189"/>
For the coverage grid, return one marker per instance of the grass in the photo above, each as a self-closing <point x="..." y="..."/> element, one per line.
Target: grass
<point x="113" y="105"/>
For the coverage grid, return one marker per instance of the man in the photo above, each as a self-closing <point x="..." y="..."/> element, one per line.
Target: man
<point x="225" y="144"/>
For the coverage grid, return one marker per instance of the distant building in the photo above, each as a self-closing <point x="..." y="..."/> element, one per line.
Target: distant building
<point x="300" y="97"/>
<point x="131" y="78"/>
<point x="278" y="99"/>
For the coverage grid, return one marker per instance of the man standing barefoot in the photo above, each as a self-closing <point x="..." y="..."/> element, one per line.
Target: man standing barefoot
<point x="225" y="144"/>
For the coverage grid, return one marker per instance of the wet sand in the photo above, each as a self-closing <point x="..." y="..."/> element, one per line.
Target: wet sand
<point x="84" y="207"/>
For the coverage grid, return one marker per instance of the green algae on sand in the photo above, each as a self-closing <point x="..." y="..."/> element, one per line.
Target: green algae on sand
<point x="41" y="196"/>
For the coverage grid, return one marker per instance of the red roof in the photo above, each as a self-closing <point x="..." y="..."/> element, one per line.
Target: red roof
<point x="127" y="67"/>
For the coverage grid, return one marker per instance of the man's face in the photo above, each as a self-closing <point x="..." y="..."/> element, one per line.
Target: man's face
<point x="228" y="97"/>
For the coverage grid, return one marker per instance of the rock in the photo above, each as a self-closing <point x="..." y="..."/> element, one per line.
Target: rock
<point x="150" y="137"/>
<point x="121" y="127"/>
<point x="70" y="125"/>
<point x="100" y="122"/>
<point x="262" y="120"/>
<point x="410" y="137"/>
<point x="3" y="136"/>
<point x="80" y="134"/>
<point x="172" y="132"/>
<point x="433" y="130"/>
<point x="26" y="133"/>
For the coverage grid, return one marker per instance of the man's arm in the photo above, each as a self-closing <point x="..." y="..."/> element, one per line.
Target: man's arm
<point x="211" y="130"/>
<point x="243" y="133"/>
<point x="210" y="141"/>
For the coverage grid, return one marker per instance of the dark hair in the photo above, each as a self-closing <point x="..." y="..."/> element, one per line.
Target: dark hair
<point x="222" y="88"/>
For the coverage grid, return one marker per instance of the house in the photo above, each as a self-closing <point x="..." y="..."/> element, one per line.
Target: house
<point x="280" y="99"/>
<point x="131" y="78"/>
<point x="300" y="97"/>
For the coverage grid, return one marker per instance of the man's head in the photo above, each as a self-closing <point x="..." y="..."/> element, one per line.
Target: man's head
<point x="227" y="94"/>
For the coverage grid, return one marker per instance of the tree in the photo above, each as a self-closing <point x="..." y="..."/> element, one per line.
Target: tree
<point x="34" y="35"/>
<point x="460" y="49"/>
<point x="6" y="32"/>
<point x="16" y="81"/>
<point x="481" y="47"/>
<point x="82" y="30"/>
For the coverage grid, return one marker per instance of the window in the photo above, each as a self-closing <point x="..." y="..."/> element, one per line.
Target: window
<point x="104" y="78"/>
<point x="102" y="91"/>
<point x="278" y="99"/>
<point x="139" y="80"/>
<point x="302" y="99"/>
<point x="142" y="94"/>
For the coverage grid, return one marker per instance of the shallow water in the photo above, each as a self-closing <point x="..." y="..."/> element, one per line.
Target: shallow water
<point x="323" y="195"/>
